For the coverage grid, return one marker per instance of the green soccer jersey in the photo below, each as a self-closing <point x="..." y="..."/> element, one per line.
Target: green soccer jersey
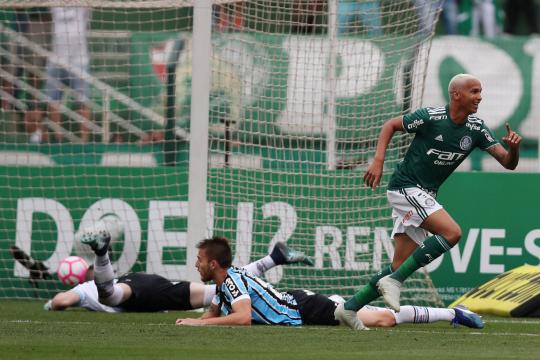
<point x="438" y="147"/>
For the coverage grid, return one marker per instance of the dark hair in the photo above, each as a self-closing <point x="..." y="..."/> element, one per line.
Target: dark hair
<point x="217" y="248"/>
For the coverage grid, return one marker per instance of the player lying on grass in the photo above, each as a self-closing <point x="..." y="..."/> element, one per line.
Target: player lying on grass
<point x="141" y="292"/>
<point x="243" y="298"/>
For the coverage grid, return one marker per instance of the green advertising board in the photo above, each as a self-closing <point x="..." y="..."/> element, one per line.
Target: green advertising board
<point x="499" y="221"/>
<point x="496" y="212"/>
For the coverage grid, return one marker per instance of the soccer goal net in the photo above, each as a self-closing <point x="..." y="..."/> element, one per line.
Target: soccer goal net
<point x="254" y="120"/>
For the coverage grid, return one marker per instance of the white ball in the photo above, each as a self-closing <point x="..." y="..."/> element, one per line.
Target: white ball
<point x="72" y="270"/>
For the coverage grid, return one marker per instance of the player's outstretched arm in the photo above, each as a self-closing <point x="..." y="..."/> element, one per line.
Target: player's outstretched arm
<point x="62" y="301"/>
<point x="509" y="159"/>
<point x="212" y="312"/>
<point x="373" y="175"/>
<point x="241" y="315"/>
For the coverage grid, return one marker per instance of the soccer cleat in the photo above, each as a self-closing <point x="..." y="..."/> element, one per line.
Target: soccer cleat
<point x="282" y="254"/>
<point x="348" y="318"/>
<point x="390" y="290"/>
<point x="466" y="317"/>
<point x="98" y="236"/>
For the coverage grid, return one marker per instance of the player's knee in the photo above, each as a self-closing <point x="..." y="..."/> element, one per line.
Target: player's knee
<point x="453" y="235"/>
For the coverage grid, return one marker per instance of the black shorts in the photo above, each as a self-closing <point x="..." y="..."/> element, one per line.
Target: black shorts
<point x="315" y="309"/>
<point x="155" y="293"/>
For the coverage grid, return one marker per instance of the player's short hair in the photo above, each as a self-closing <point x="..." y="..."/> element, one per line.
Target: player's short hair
<point x="217" y="248"/>
<point x="456" y="79"/>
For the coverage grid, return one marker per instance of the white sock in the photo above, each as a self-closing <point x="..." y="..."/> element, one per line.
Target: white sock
<point x="103" y="270"/>
<point x="260" y="266"/>
<point x="421" y="314"/>
<point x="115" y="298"/>
<point x="104" y="279"/>
<point x="209" y="293"/>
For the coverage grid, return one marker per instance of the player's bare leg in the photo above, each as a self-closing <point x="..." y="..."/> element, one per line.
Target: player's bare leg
<point x="348" y="318"/>
<point x="441" y="223"/>
<point x="377" y="317"/>
<point x="404" y="246"/>
<point x="409" y="314"/>
<point x="446" y="234"/>
<point x="388" y="287"/>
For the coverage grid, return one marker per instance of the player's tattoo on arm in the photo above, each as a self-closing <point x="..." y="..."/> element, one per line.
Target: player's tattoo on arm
<point x="507" y="159"/>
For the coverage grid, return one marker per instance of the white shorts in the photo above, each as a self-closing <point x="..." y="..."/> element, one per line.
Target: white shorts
<point x="410" y="207"/>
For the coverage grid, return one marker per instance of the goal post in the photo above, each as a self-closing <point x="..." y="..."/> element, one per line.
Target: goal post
<point x="198" y="146"/>
<point x="277" y="109"/>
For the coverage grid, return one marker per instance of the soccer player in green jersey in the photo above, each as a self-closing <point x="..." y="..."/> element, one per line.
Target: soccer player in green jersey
<point x="423" y="230"/>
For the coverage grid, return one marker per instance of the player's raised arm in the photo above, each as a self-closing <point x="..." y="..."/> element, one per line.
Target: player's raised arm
<point x="373" y="175"/>
<point x="509" y="159"/>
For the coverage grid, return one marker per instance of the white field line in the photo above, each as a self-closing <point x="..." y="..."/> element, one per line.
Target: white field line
<point x="37" y="322"/>
<point x="514" y="321"/>
<point x="479" y="332"/>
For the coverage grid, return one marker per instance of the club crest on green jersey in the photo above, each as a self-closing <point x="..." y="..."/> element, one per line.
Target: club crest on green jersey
<point x="465" y="143"/>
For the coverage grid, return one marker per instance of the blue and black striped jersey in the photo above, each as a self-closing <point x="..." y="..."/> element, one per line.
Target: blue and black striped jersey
<point x="268" y="306"/>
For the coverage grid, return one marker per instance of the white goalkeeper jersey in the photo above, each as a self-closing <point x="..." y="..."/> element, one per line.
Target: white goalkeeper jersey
<point x="88" y="293"/>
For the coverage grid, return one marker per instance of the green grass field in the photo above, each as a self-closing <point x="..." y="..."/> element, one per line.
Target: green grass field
<point x="29" y="332"/>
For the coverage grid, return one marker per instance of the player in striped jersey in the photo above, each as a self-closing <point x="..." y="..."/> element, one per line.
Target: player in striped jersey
<point x="243" y="298"/>
<point x="444" y="137"/>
